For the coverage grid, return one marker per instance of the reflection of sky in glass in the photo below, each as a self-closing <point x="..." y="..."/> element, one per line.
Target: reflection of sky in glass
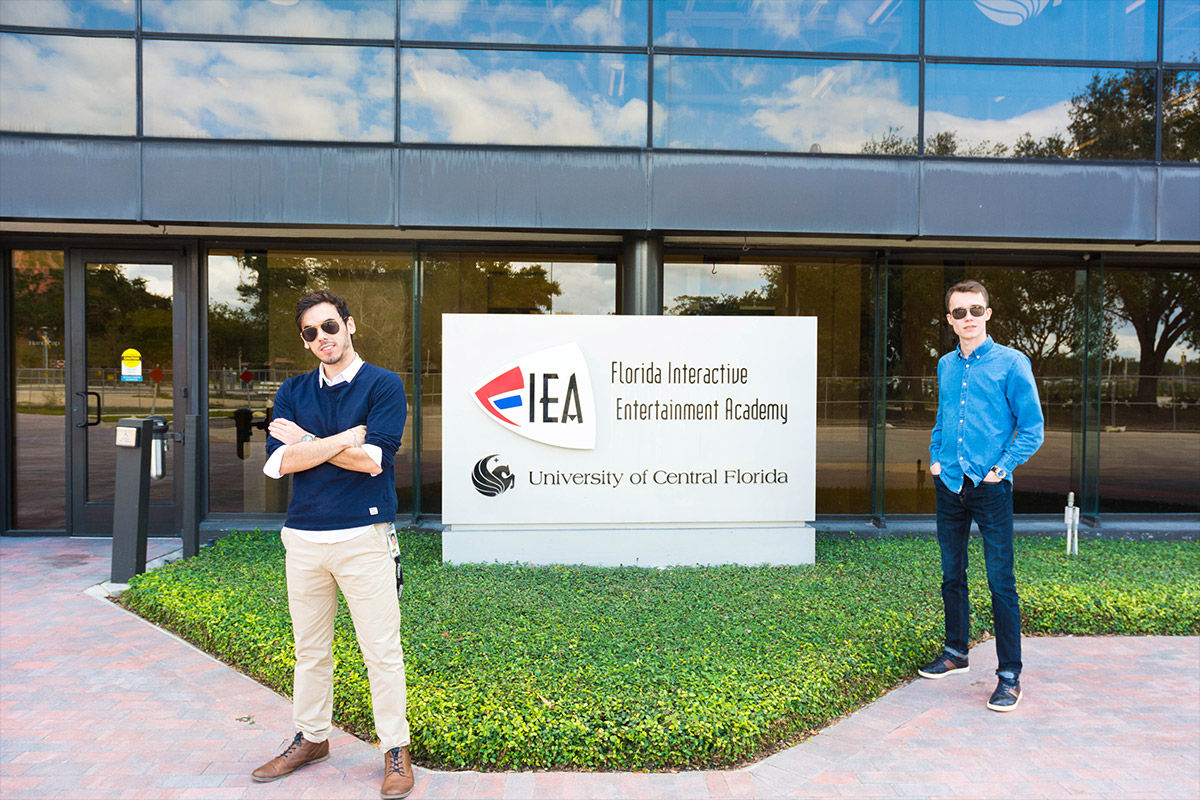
<point x="999" y="104"/>
<point x="1181" y="30"/>
<point x="260" y="91"/>
<point x="158" y="277"/>
<point x="64" y="84"/>
<point x="1096" y="29"/>
<point x="780" y="104"/>
<point x="504" y="97"/>
<point x="89" y="14"/>
<point x="849" y="26"/>
<point x="581" y="22"/>
<point x="699" y="280"/>
<point x="586" y="288"/>
<point x="224" y="275"/>
<point x="340" y="19"/>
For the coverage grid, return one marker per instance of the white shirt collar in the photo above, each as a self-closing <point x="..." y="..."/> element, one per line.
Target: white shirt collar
<point x="345" y="376"/>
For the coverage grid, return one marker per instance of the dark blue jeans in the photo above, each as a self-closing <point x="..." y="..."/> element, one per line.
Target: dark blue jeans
<point x="990" y="506"/>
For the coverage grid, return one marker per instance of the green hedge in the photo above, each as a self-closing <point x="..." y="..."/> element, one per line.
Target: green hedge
<point x="517" y="667"/>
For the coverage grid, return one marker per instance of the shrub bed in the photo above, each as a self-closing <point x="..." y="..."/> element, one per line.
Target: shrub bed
<point x="517" y="667"/>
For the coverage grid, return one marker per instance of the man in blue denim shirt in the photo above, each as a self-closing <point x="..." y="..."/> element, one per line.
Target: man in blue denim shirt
<point x="989" y="422"/>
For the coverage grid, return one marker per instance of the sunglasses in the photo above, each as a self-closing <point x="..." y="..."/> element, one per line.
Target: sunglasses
<point x="958" y="313"/>
<point x="330" y="326"/>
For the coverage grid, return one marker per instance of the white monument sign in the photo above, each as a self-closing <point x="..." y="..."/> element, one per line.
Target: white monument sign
<point x="628" y="440"/>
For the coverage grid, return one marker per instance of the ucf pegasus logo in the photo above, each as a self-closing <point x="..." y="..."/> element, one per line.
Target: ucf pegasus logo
<point x="491" y="482"/>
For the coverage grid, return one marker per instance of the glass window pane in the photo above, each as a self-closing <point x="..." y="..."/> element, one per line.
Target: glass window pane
<point x="114" y="15"/>
<point x="848" y="26"/>
<point x="798" y="105"/>
<point x="613" y="23"/>
<point x="505" y="97"/>
<point x="1150" y="393"/>
<point x="64" y="84"/>
<point x="224" y="90"/>
<point x="1082" y="29"/>
<point x="253" y="346"/>
<point x="494" y="283"/>
<point x="334" y="19"/>
<point x="41" y="391"/>
<point x="1034" y="311"/>
<point x="1039" y="112"/>
<point x="838" y="293"/>
<point x="1181" y="31"/>
<point x="1181" y="115"/>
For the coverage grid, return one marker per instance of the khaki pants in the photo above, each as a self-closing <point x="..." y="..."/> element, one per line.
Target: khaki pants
<point x="364" y="569"/>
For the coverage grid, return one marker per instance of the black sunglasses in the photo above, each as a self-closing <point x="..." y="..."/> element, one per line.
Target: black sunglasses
<point x="958" y="313"/>
<point x="330" y="326"/>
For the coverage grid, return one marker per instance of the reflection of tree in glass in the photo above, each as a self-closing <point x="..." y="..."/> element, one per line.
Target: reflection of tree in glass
<point x="1112" y="118"/>
<point x="378" y="289"/>
<point x="122" y="313"/>
<point x="1162" y="308"/>
<point x="38" y="303"/>
<point x="463" y="284"/>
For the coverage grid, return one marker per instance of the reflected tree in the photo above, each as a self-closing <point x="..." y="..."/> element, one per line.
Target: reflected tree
<point x="38" y="295"/>
<point x="1161" y="307"/>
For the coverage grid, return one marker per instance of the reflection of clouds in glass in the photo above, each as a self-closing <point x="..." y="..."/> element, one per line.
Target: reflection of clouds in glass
<point x="157" y="276"/>
<point x="224" y="275"/>
<point x="1039" y="123"/>
<point x="698" y="280"/>
<point x="838" y="107"/>
<point x="815" y="25"/>
<point x="62" y="84"/>
<point x="342" y="19"/>
<point x="228" y="90"/>
<point x="589" y="22"/>
<point x="113" y="14"/>
<point x="448" y="97"/>
<point x="586" y="288"/>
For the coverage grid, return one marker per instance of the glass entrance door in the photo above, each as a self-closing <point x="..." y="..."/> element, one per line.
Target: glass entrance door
<point x="127" y="322"/>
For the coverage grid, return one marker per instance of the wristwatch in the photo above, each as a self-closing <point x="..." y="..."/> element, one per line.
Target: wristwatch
<point x="308" y="437"/>
<point x="1001" y="473"/>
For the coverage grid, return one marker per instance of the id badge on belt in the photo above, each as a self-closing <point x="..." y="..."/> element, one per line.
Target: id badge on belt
<point x="394" y="548"/>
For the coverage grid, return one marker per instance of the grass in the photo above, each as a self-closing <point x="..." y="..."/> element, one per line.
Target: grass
<point x="518" y="667"/>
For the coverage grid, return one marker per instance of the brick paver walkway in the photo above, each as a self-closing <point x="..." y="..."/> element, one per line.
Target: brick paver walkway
<point x="96" y="703"/>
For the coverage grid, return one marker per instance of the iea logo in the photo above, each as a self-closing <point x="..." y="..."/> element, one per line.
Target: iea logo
<point x="545" y="396"/>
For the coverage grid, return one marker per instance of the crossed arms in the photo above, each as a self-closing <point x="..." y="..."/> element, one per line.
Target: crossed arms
<point x="343" y="449"/>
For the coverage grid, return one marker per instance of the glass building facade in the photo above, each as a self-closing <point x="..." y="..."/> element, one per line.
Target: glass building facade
<point x="175" y="173"/>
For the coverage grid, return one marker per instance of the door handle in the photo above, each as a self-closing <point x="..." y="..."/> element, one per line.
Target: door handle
<point x="88" y="423"/>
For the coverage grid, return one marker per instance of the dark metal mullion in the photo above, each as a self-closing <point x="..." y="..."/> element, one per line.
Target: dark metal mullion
<point x="1159" y="110"/>
<point x="8" y="395"/>
<point x="650" y="75"/>
<point x="396" y="81"/>
<point x="243" y="38"/>
<point x="809" y="55"/>
<point x="523" y="46"/>
<point x="415" y="435"/>
<point x="81" y="33"/>
<point x="1038" y="62"/>
<point x="920" y="96"/>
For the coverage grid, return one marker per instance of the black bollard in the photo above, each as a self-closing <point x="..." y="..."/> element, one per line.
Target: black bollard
<point x="131" y="511"/>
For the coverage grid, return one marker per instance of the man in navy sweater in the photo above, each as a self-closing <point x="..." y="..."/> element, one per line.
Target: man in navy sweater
<point x="336" y="430"/>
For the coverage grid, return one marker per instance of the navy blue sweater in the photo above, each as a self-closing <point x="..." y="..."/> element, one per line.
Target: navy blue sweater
<point x="326" y="497"/>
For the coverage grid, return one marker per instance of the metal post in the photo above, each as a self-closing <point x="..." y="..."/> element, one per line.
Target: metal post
<point x="641" y="274"/>
<point x="131" y="511"/>
<point x="191" y="485"/>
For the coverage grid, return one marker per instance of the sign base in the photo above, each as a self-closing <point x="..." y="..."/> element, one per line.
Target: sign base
<point x="792" y="544"/>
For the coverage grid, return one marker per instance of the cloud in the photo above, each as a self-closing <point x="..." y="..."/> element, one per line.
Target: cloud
<point x="466" y="103"/>
<point x="597" y="25"/>
<point x="1040" y="123"/>
<point x="197" y="89"/>
<point x="310" y="18"/>
<point x="837" y="107"/>
<point x="63" y="84"/>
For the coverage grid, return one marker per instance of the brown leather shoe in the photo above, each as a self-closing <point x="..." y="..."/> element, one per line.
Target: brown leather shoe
<point x="397" y="774"/>
<point x="300" y="752"/>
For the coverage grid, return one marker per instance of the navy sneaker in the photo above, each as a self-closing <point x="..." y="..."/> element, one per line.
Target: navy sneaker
<point x="945" y="664"/>
<point x="1006" y="696"/>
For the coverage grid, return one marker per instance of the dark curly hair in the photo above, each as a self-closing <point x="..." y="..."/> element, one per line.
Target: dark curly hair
<point x="323" y="296"/>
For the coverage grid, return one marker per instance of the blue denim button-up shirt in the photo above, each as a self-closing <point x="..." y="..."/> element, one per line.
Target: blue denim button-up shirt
<point x="988" y="413"/>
